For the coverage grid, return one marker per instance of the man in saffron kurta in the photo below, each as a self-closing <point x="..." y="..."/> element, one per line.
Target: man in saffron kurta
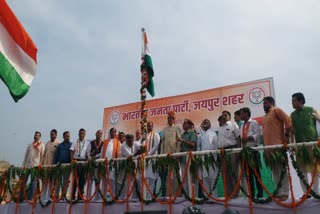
<point x="304" y="125"/>
<point x="276" y="128"/>
<point x="111" y="150"/>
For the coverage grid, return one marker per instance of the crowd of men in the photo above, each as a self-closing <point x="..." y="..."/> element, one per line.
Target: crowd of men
<point x="277" y="129"/>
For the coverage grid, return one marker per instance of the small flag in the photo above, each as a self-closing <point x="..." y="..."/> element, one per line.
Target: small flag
<point x="18" y="54"/>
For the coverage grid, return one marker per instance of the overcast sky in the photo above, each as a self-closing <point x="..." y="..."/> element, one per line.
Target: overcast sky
<point x="89" y="57"/>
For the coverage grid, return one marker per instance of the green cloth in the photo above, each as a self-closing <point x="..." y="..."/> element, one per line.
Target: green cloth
<point x="304" y="124"/>
<point x="189" y="136"/>
<point x="240" y="123"/>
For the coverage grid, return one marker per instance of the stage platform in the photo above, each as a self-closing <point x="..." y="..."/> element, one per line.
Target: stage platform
<point x="241" y="205"/>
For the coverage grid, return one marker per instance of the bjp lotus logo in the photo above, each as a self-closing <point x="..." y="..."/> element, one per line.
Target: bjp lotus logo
<point x="114" y="117"/>
<point x="256" y="95"/>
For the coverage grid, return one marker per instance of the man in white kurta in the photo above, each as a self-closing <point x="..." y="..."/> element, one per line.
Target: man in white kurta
<point x="33" y="157"/>
<point x="128" y="149"/>
<point x="250" y="137"/>
<point x="152" y="144"/>
<point x="208" y="140"/>
<point x="111" y="150"/>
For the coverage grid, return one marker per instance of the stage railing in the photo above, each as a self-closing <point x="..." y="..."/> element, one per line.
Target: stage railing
<point x="50" y="184"/>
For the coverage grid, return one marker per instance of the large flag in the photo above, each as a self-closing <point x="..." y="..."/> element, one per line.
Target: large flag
<point x="18" y="54"/>
<point x="146" y="65"/>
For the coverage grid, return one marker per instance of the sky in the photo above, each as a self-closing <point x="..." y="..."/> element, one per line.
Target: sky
<point x="89" y="57"/>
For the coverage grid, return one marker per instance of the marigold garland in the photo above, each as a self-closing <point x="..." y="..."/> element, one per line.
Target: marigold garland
<point x="94" y="171"/>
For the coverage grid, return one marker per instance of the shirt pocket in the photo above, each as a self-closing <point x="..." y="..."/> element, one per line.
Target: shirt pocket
<point x="227" y="133"/>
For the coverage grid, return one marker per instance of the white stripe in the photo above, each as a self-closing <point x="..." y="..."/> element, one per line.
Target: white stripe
<point x="22" y="62"/>
<point x="145" y="47"/>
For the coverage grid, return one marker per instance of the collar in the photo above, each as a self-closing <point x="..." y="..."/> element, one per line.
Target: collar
<point x="227" y="123"/>
<point x="128" y="145"/>
<point x="188" y="130"/>
<point x="36" y="143"/>
<point x="55" y="141"/>
<point x="250" y="119"/>
<point x="303" y="107"/>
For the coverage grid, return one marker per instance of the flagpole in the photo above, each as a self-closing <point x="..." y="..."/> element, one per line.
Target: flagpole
<point x="143" y="121"/>
<point x="143" y="93"/>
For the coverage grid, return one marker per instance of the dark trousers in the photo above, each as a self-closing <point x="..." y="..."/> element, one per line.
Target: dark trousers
<point x="81" y="181"/>
<point x="254" y="182"/>
<point x="163" y="176"/>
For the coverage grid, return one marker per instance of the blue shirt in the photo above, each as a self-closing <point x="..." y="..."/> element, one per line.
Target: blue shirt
<point x="63" y="153"/>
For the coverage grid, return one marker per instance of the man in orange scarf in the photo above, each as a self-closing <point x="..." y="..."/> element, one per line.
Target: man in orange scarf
<point x="250" y="137"/>
<point x="111" y="150"/>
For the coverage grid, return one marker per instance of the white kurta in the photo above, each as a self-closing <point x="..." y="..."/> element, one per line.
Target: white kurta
<point x="152" y="143"/>
<point x="109" y="152"/>
<point x="254" y="131"/>
<point x="207" y="140"/>
<point x="125" y="152"/>
<point x="80" y="149"/>
<point x="33" y="156"/>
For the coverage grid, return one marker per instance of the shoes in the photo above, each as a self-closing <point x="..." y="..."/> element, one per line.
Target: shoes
<point x="164" y="199"/>
<point x="134" y="200"/>
<point x="309" y="196"/>
<point x="259" y="196"/>
<point x="108" y="197"/>
<point x="282" y="197"/>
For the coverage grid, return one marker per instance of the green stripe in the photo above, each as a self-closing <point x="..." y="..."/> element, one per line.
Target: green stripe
<point x="17" y="87"/>
<point x="150" y="85"/>
<point x="148" y="62"/>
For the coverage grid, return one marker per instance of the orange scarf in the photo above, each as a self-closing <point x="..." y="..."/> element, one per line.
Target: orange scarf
<point x="245" y="130"/>
<point x="36" y="145"/>
<point x="116" y="148"/>
<point x="150" y="142"/>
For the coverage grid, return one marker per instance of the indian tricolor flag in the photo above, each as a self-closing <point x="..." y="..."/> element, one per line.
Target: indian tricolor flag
<point x="147" y="63"/>
<point x="18" y="54"/>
